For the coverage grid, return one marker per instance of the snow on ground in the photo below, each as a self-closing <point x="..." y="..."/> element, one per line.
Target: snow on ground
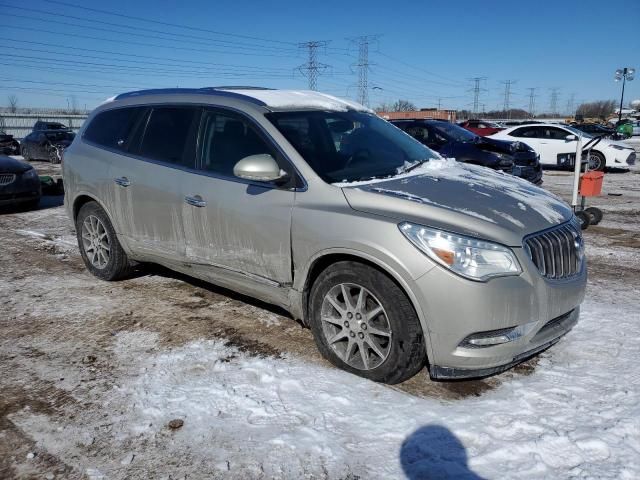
<point x="91" y="374"/>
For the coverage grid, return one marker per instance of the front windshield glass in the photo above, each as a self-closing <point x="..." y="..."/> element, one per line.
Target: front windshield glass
<point x="60" y="136"/>
<point x="577" y="132"/>
<point x="454" y="132"/>
<point x="350" y="146"/>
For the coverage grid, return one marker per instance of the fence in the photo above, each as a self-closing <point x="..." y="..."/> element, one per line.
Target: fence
<point x="20" y="124"/>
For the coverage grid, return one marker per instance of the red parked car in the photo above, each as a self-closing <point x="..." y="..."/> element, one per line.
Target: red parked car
<point x="482" y="127"/>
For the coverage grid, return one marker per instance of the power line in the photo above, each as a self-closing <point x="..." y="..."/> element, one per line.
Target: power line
<point x="312" y="68"/>
<point x="167" y="24"/>
<point x="553" y="103"/>
<point x="571" y="104"/>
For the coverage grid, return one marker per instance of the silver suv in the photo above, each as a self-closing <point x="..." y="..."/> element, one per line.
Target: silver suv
<point x="395" y="257"/>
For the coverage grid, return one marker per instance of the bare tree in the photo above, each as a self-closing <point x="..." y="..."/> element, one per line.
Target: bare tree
<point x="404" y="106"/>
<point x="601" y="109"/>
<point x="13" y="103"/>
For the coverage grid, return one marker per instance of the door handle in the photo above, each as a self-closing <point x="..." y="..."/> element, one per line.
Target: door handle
<point x="195" y="201"/>
<point x="122" y="181"/>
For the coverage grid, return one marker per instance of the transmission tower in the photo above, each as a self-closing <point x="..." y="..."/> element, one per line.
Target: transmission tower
<point x="507" y="96"/>
<point x="532" y="101"/>
<point x="476" y="93"/>
<point x="312" y="68"/>
<point x="554" y="101"/>
<point x="363" y="42"/>
<point x="571" y="104"/>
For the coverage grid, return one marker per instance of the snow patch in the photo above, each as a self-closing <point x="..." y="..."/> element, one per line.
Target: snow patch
<point x="302" y="99"/>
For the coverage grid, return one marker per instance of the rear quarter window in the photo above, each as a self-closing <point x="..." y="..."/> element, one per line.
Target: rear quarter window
<point x="112" y="128"/>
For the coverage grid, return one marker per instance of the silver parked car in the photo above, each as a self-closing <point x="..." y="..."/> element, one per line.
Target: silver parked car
<point x="395" y="257"/>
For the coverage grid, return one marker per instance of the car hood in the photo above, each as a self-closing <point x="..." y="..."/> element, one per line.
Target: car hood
<point x="11" y="165"/>
<point x="501" y="146"/>
<point x="462" y="198"/>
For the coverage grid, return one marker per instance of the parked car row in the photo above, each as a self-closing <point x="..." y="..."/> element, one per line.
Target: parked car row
<point x="46" y="141"/>
<point x="19" y="183"/>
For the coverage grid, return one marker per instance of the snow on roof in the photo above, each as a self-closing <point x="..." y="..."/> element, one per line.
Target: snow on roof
<point x="302" y="99"/>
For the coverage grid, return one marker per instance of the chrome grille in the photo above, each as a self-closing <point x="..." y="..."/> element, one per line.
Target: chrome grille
<point x="7" y="178"/>
<point x="557" y="253"/>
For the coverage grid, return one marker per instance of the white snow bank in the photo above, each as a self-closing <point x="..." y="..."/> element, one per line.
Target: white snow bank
<point x="303" y="99"/>
<point x="576" y="416"/>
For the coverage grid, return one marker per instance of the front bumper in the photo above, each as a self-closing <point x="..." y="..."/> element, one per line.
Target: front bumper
<point x="455" y="308"/>
<point x="20" y="190"/>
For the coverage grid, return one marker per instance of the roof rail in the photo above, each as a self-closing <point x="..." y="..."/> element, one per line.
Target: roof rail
<point x="217" y="91"/>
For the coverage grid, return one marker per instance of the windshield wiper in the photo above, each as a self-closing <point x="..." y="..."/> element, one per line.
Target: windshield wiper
<point x="412" y="166"/>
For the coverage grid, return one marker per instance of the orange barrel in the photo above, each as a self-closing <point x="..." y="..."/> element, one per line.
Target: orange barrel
<point x="591" y="184"/>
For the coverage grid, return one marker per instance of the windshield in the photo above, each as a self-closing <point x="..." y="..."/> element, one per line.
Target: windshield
<point x="454" y="132"/>
<point x="575" y="131"/>
<point x="349" y="146"/>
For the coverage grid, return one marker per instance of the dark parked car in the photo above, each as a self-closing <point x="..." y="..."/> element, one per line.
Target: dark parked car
<point x="46" y="145"/>
<point x="41" y="125"/>
<point x="451" y="140"/>
<point x="8" y="144"/>
<point x="19" y="183"/>
<point x="482" y="127"/>
<point x="597" y="130"/>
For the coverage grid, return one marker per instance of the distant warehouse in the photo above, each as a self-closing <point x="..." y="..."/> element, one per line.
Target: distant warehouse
<point x="426" y="113"/>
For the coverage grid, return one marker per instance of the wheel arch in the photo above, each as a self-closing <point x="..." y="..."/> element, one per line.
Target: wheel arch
<point x="325" y="259"/>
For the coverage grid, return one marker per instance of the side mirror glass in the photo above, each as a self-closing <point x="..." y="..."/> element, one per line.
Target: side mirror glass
<point x="571" y="137"/>
<point x="261" y="168"/>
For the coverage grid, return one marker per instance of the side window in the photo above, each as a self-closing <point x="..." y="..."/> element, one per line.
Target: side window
<point x="419" y="133"/>
<point x="112" y="128"/>
<point x="557" y="134"/>
<point x="226" y="139"/>
<point x="527" y="132"/>
<point x="170" y="135"/>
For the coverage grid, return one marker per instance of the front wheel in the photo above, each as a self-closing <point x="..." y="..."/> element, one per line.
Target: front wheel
<point x="364" y="323"/>
<point x="25" y="153"/>
<point x="597" y="161"/>
<point x="101" y="252"/>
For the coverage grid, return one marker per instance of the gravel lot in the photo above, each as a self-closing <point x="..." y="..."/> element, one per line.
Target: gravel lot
<point x="74" y="352"/>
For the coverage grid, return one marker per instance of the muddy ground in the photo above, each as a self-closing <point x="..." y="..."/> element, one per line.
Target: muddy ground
<point x="59" y="323"/>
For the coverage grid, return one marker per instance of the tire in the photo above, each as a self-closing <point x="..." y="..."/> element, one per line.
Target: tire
<point x="595" y="215"/>
<point x="597" y="161"/>
<point x="584" y="218"/>
<point x="398" y="336"/>
<point x="25" y="153"/>
<point x="54" y="156"/>
<point x="110" y="263"/>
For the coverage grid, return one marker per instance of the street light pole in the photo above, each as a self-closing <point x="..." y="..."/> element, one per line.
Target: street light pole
<point x="623" y="74"/>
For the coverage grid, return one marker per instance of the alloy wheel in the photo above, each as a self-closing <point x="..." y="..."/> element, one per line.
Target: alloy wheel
<point x="356" y="326"/>
<point x="95" y="241"/>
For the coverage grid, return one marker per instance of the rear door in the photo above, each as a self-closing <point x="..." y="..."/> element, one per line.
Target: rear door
<point x="149" y="183"/>
<point x="232" y="224"/>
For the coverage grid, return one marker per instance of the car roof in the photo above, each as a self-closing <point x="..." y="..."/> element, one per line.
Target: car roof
<point x="271" y="99"/>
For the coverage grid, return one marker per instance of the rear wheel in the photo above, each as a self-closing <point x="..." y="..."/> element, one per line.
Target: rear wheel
<point x="364" y="323"/>
<point x="102" y="253"/>
<point x="25" y="153"/>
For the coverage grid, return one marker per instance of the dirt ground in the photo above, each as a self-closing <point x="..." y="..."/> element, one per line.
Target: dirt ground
<point x="59" y="323"/>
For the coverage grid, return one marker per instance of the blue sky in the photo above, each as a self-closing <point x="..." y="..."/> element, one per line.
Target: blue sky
<point x="55" y="52"/>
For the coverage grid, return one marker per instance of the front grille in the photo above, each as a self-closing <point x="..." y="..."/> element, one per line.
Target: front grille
<point x="557" y="253"/>
<point x="7" y="178"/>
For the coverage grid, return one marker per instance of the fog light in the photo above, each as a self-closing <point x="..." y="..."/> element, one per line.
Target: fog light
<point x="497" y="337"/>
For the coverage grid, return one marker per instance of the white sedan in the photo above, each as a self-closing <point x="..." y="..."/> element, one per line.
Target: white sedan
<point x="556" y="145"/>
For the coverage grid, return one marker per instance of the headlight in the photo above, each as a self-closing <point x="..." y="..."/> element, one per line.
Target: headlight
<point x="30" y="174"/>
<point x="618" y="147"/>
<point x="466" y="256"/>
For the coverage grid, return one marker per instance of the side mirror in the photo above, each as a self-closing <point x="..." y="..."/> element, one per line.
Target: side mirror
<point x="570" y="138"/>
<point x="261" y="167"/>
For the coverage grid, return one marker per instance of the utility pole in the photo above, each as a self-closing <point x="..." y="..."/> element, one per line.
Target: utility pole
<point x="625" y="74"/>
<point x="312" y="68"/>
<point x="476" y="93"/>
<point x="532" y="101"/>
<point x="507" y="96"/>
<point x="554" y="102"/>
<point x="363" y="65"/>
